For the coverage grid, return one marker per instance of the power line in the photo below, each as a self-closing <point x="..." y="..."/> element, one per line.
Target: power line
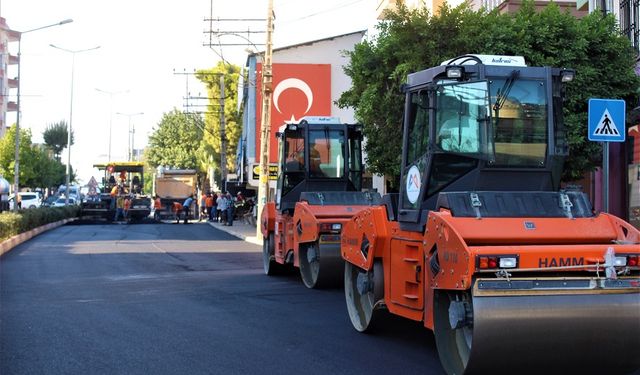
<point x="329" y="10"/>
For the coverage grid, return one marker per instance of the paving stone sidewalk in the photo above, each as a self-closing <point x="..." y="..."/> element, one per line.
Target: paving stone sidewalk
<point x="239" y="229"/>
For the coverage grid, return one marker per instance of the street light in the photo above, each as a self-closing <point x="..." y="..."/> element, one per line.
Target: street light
<point x="111" y="94"/>
<point x="16" y="177"/>
<point x="132" y="131"/>
<point x="73" y="63"/>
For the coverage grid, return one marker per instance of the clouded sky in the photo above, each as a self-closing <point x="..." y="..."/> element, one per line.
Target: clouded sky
<point x="142" y="43"/>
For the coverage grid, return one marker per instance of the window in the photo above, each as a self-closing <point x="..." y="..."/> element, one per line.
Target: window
<point x="355" y="160"/>
<point x="418" y="122"/>
<point x="293" y="161"/>
<point x="326" y="153"/>
<point x="519" y="113"/>
<point x="461" y="113"/>
<point x="446" y="168"/>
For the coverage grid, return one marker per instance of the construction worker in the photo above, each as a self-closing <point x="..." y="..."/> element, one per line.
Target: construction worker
<point x="177" y="208"/>
<point x="127" y="206"/>
<point x="114" y="196"/>
<point x="157" y="207"/>
<point x="203" y="206"/>
<point x="186" y="207"/>
<point x="119" y="207"/>
<point x="208" y="203"/>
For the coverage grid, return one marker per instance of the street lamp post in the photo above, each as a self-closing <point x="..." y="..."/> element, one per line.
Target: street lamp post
<point x="132" y="131"/>
<point x="73" y="63"/>
<point x="111" y="94"/>
<point x="16" y="170"/>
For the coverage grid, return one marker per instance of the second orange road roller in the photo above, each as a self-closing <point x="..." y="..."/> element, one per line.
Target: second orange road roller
<point x="318" y="189"/>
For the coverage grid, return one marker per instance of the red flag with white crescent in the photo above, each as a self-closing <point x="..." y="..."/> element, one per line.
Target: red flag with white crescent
<point x="298" y="90"/>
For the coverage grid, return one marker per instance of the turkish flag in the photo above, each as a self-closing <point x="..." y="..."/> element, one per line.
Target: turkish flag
<point x="298" y="90"/>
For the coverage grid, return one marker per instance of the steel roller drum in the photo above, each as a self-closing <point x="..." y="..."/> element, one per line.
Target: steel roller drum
<point x="583" y="333"/>
<point x="321" y="266"/>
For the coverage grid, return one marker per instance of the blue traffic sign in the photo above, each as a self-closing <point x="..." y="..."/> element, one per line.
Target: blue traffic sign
<point x="607" y="120"/>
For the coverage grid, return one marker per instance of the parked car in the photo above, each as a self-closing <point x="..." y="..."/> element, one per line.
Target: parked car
<point x="60" y="202"/>
<point x="50" y="200"/>
<point x="29" y="199"/>
<point x="74" y="191"/>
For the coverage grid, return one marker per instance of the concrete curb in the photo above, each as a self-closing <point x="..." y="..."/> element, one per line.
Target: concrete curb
<point x="231" y="230"/>
<point x="11" y="242"/>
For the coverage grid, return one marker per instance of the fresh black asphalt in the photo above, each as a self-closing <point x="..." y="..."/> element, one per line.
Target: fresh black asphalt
<point x="180" y="299"/>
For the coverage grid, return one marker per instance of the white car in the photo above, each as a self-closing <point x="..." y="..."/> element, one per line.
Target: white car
<point x="60" y="202"/>
<point x="29" y="199"/>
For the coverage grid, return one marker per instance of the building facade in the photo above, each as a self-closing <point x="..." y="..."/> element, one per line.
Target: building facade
<point x="308" y="79"/>
<point x="7" y="79"/>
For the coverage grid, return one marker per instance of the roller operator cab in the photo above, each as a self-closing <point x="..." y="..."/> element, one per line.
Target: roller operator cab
<point x="511" y="273"/>
<point x="318" y="188"/>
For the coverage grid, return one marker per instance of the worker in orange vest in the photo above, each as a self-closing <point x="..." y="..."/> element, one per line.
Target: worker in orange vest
<point x="177" y="208"/>
<point x="114" y="196"/>
<point x="157" y="207"/>
<point x="208" y="203"/>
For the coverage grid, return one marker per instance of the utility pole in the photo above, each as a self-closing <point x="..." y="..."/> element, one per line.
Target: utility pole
<point x="186" y="77"/>
<point x="265" y="122"/>
<point x="223" y="137"/>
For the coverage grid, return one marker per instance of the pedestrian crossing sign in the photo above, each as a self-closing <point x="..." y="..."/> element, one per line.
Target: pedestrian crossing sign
<point x="607" y="120"/>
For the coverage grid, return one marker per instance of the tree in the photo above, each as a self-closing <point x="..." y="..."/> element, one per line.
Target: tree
<point x="48" y="172"/>
<point x="7" y="156"/>
<point x="176" y="141"/>
<point x="211" y="145"/>
<point x="412" y="40"/>
<point x="37" y="169"/>
<point x="55" y="137"/>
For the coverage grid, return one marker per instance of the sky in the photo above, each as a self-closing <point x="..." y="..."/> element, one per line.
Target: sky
<point x="142" y="45"/>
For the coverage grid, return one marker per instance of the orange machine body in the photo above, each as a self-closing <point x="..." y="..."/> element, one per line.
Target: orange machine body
<point x="305" y="226"/>
<point x="543" y="247"/>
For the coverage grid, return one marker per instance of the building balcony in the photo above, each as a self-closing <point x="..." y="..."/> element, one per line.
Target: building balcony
<point x="12" y="83"/>
<point x="12" y="107"/>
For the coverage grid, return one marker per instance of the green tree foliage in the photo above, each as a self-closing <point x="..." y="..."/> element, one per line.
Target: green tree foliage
<point x="211" y="145"/>
<point x="50" y="172"/>
<point x="27" y="156"/>
<point x="55" y="137"/>
<point x="412" y="40"/>
<point x="175" y="142"/>
<point x="37" y="169"/>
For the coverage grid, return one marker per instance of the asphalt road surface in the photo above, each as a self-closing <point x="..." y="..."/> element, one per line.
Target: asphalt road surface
<point x="180" y="299"/>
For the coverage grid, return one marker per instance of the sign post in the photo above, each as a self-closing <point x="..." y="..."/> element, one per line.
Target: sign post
<point x="606" y="124"/>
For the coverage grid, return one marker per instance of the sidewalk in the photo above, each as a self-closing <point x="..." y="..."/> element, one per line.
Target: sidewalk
<point x="239" y="229"/>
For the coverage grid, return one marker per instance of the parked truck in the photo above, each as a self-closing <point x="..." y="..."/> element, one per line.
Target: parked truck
<point x="173" y="186"/>
<point x="513" y="274"/>
<point x="318" y="189"/>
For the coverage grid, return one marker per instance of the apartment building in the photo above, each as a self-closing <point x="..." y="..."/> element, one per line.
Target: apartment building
<point x="7" y="79"/>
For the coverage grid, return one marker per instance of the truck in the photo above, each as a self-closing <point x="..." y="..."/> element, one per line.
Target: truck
<point x="482" y="246"/>
<point x="173" y="186"/>
<point x="129" y="176"/>
<point x="318" y="189"/>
